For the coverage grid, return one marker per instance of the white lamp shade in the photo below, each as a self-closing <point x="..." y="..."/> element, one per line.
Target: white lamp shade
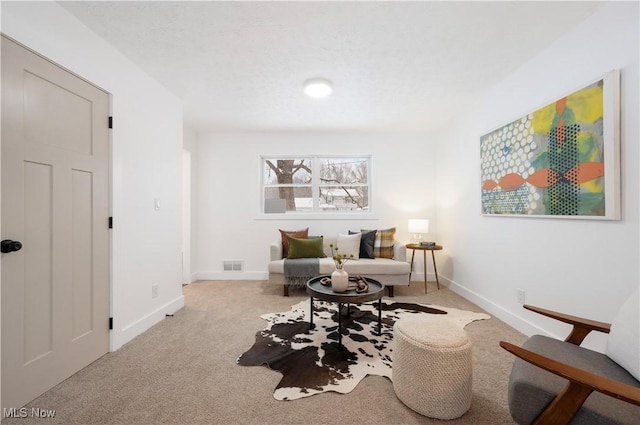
<point x="418" y="225"/>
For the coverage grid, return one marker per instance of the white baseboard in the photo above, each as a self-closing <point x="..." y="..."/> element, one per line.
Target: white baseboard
<point x="509" y="317"/>
<point x="231" y="276"/>
<point x="132" y="330"/>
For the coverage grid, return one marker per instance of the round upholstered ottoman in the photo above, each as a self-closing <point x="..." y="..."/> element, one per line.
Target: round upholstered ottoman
<point x="432" y="366"/>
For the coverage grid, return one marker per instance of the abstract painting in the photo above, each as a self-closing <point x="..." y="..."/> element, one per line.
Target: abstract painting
<point x="561" y="160"/>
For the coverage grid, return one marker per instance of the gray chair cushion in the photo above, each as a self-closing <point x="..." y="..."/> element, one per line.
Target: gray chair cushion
<point x="531" y="389"/>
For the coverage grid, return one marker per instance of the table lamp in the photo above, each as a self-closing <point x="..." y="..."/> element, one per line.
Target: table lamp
<point x="418" y="226"/>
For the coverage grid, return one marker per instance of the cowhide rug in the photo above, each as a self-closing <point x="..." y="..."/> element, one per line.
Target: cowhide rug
<point x="312" y="361"/>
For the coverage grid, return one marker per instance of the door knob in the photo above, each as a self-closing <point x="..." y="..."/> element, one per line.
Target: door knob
<point x="8" y="245"/>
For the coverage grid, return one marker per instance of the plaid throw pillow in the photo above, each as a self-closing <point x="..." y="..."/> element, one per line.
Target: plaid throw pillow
<point x="383" y="245"/>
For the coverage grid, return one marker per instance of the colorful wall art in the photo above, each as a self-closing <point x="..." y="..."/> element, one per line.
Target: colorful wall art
<point x="561" y="160"/>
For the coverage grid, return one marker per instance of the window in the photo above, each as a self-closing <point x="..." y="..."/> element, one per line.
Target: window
<point x="316" y="184"/>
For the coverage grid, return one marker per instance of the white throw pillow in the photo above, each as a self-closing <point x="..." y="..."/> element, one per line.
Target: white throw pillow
<point x="349" y="245"/>
<point x="623" y="342"/>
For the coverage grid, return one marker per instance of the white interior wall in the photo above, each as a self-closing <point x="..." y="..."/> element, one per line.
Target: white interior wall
<point x="586" y="268"/>
<point x="146" y="162"/>
<point x="231" y="226"/>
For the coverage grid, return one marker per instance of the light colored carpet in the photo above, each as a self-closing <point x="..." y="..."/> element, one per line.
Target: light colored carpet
<point x="183" y="371"/>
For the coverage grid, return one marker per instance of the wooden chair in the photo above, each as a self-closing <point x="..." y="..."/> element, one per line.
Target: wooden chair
<point x="555" y="382"/>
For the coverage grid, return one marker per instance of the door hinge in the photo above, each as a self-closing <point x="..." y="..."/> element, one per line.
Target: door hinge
<point x="110" y="222"/>
<point x="110" y="122"/>
<point x="110" y="323"/>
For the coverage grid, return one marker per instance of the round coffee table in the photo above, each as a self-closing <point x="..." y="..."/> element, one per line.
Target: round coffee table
<point x="325" y="293"/>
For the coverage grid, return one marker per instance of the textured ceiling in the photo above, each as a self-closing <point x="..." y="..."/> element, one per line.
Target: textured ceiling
<point x="396" y="66"/>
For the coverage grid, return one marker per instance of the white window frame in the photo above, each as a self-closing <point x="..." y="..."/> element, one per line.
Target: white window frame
<point x="315" y="189"/>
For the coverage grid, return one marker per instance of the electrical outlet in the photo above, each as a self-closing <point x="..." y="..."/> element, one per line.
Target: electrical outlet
<point x="521" y="296"/>
<point x="155" y="289"/>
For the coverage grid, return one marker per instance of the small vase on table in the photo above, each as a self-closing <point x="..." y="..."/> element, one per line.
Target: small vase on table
<point x="339" y="280"/>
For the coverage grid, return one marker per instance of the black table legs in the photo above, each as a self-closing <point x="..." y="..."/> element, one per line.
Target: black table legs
<point x="340" y="323"/>
<point x="380" y="317"/>
<point x="311" y="315"/>
<point x="348" y="314"/>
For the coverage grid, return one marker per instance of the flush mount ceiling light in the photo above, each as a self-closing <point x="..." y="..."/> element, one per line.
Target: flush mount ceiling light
<point x="318" y="87"/>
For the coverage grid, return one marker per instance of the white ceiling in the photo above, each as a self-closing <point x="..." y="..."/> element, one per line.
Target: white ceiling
<point x="396" y="66"/>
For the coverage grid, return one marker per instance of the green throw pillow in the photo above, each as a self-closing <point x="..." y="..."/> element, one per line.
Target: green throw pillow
<point x="305" y="248"/>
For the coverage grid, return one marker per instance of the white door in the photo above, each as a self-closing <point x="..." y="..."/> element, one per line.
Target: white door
<point x="55" y="196"/>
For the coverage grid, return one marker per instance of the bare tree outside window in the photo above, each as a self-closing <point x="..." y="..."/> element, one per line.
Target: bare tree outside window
<point x="318" y="184"/>
<point x="288" y="173"/>
<point x="344" y="183"/>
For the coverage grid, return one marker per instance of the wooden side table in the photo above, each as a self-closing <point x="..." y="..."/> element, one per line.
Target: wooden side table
<point x="424" y="250"/>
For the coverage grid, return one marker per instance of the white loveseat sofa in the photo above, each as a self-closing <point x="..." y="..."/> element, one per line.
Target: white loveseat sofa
<point x="388" y="271"/>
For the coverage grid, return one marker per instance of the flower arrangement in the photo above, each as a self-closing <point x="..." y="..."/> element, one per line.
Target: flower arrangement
<point x="339" y="259"/>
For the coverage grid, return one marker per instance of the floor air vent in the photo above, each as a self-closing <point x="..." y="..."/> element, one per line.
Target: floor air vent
<point x="232" y="265"/>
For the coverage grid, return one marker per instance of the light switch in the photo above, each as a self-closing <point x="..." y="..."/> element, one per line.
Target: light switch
<point x="156" y="204"/>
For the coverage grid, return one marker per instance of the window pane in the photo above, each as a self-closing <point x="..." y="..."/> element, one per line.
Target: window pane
<point x="287" y="171"/>
<point x="343" y="170"/>
<point x="344" y="198"/>
<point x="298" y="198"/>
<point x="339" y="184"/>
